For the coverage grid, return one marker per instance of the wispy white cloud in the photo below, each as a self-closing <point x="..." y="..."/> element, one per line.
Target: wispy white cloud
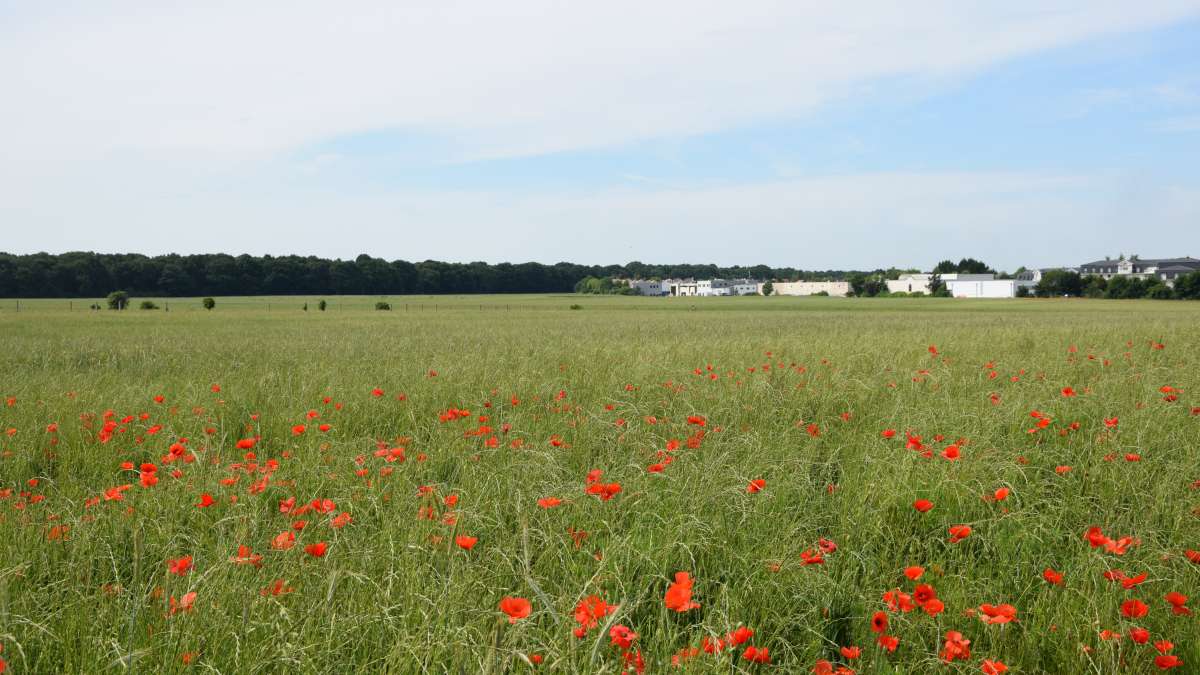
<point x="223" y="79"/>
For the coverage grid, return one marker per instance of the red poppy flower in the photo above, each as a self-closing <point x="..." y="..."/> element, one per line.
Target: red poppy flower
<point x="549" y="502"/>
<point x="621" y="636"/>
<point x="997" y="614"/>
<point x="464" y="542"/>
<point x="888" y="642"/>
<point x="990" y="667"/>
<point x="283" y="541"/>
<point x="922" y="505"/>
<point x="515" y="608"/>
<point x="1051" y="576"/>
<point x="590" y="611"/>
<point x="1167" y="661"/>
<point x="955" y="647"/>
<point x="316" y="550"/>
<point x="181" y="566"/>
<point x="756" y="485"/>
<point x="1134" y="609"/>
<point x="1177" y="601"/>
<point x="206" y="500"/>
<point x="679" y="593"/>
<point x="959" y="532"/>
<point x="756" y="655"/>
<point x="879" y="622"/>
<point x="740" y="636"/>
<point x="914" y="572"/>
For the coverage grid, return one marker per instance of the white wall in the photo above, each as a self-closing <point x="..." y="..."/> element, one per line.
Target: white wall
<point x="837" y="289"/>
<point x="995" y="288"/>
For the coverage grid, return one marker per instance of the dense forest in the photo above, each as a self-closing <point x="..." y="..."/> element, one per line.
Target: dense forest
<point x="93" y="275"/>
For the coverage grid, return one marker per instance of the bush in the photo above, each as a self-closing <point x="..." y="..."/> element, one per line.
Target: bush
<point x="1159" y="291"/>
<point x="321" y="305"/>
<point x="208" y="303"/>
<point x="576" y="306"/>
<point x="147" y="304"/>
<point x="118" y="300"/>
<point x="1023" y="292"/>
<point x="382" y="306"/>
<point x="1187" y="286"/>
<point x="898" y="294"/>
<point x="824" y="294"/>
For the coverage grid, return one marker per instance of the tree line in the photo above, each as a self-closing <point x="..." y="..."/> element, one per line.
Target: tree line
<point x="93" y="275"/>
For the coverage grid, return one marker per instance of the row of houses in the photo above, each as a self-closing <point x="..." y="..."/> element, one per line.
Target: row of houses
<point x="958" y="285"/>
<point x="1166" y="270"/>
<point x="718" y="287"/>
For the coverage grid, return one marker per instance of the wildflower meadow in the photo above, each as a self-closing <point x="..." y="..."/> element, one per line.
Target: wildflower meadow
<point x="507" y="484"/>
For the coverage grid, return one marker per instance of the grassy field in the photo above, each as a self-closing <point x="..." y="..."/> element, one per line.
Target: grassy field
<point x="451" y="420"/>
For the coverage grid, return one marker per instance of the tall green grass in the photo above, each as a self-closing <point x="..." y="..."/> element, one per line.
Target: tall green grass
<point x="386" y="597"/>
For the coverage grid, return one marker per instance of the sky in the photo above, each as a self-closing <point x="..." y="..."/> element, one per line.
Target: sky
<point x="804" y="134"/>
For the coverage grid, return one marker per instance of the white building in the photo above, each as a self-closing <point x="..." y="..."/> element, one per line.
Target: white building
<point x="919" y="283"/>
<point x="985" y="288"/>
<point x="681" y="287"/>
<point x="650" y="288"/>
<point x="836" y="289"/>
<point x="745" y="287"/>
<point x="1162" y="269"/>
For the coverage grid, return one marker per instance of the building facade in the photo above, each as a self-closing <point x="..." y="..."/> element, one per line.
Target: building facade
<point x="985" y="288"/>
<point x="836" y="289"/>
<point x="1162" y="269"/>
<point x="919" y="283"/>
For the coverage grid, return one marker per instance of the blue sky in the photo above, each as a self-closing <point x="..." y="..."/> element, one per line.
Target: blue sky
<point x="1039" y="134"/>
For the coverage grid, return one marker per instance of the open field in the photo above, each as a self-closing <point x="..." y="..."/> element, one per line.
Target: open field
<point x="111" y="563"/>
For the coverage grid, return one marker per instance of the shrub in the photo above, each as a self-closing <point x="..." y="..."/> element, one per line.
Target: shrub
<point x="382" y="306"/>
<point x="1188" y="286"/>
<point x="897" y="294"/>
<point x="576" y="306"/>
<point x="1023" y="292"/>
<point x="147" y="304"/>
<point x="1159" y="291"/>
<point x="321" y="305"/>
<point x="824" y="294"/>
<point x="118" y="300"/>
<point x="208" y="303"/>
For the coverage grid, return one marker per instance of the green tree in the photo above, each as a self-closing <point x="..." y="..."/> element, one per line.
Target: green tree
<point x="1157" y="290"/>
<point x="1094" y="286"/>
<point x="1125" y="288"/>
<point x="768" y="288"/>
<point x="208" y="303"/>
<point x="321" y="305"/>
<point x="118" y="300"/>
<point x="1057" y="283"/>
<point x="1187" y="286"/>
<point x="937" y="287"/>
